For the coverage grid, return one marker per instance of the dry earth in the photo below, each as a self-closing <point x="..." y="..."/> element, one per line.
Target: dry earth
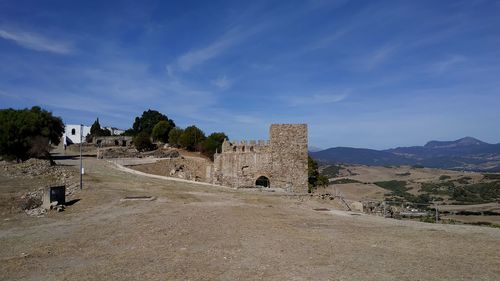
<point x="194" y="232"/>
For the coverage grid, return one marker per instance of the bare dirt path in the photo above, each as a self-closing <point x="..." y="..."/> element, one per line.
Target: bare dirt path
<point x="193" y="232"/>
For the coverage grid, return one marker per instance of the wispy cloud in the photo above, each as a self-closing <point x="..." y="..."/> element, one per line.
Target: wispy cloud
<point x="222" y="82"/>
<point x="36" y="42"/>
<point x="318" y="99"/>
<point x="378" y="57"/>
<point x="446" y="64"/>
<point x="196" y="57"/>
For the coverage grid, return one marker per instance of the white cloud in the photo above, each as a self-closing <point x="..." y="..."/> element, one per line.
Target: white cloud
<point x="378" y="57"/>
<point x="36" y="42"/>
<point x="450" y="61"/>
<point x="317" y="99"/>
<point x="222" y="82"/>
<point x="199" y="56"/>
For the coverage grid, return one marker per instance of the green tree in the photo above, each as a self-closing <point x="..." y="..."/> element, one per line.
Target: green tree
<point x="27" y="133"/>
<point x="161" y="131"/>
<point x="148" y="120"/>
<point x="97" y="131"/>
<point x="191" y="138"/>
<point x="212" y="144"/>
<point x="143" y="142"/>
<point x="322" y="181"/>
<point x="174" y="136"/>
<point x="312" y="173"/>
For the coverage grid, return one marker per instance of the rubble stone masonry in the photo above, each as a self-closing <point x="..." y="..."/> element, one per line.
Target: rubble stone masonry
<point x="282" y="160"/>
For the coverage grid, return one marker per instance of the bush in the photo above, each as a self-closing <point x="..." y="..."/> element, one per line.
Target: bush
<point x="212" y="144"/>
<point x="331" y="171"/>
<point x="26" y="133"/>
<point x="345" y="181"/>
<point x="191" y="138"/>
<point x="143" y="142"/>
<point x="174" y="136"/>
<point x="148" y="120"/>
<point x="444" y="177"/>
<point x="161" y="131"/>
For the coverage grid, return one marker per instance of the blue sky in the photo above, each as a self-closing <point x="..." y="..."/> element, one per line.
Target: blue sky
<point x="375" y="74"/>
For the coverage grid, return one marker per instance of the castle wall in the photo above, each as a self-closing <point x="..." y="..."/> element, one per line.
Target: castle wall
<point x="282" y="159"/>
<point x="241" y="163"/>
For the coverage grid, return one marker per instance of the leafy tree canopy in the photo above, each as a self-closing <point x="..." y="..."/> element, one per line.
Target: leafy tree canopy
<point x="314" y="178"/>
<point x="27" y="132"/>
<point x="174" y="136"/>
<point x="161" y="131"/>
<point x="213" y="143"/>
<point x="191" y="138"/>
<point x="143" y="142"/>
<point x="97" y="131"/>
<point x="148" y="120"/>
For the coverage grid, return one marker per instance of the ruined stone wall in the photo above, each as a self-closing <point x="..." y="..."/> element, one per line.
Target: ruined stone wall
<point x="282" y="159"/>
<point x="241" y="163"/>
<point x="112" y="141"/>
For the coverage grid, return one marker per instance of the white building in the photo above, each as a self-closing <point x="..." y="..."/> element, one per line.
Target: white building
<point x="72" y="133"/>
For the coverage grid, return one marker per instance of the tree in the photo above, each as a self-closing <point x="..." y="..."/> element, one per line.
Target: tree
<point x="191" y="138"/>
<point x="148" y="120"/>
<point x="27" y="133"/>
<point x="212" y="144"/>
<point x="97" y="131"/>
<point x="174" y="136"/>
<point x="314" y="178"/>
<point x="161" y="131"/>
<point x="143" y="142"/>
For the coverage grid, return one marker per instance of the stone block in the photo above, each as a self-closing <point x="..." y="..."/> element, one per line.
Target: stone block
<point x="53" y="194"/>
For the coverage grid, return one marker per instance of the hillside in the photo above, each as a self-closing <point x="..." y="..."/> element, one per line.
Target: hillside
<point x="463" y="154"/>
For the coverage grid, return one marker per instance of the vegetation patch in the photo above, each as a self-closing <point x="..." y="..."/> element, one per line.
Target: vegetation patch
<point x="477" y="193"/>
<point x="491" y="176"/>
<point x="344" y="181"/>
<point x="484" y="223"/>
<point x="399" y="189"/>
<point x="332" y="171"/>
<point x="444" y="177"/>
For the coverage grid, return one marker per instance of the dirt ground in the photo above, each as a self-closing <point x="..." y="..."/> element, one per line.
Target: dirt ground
<point x="195" y="232"/>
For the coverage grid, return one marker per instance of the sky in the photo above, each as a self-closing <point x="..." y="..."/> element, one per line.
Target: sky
<point x="373" y="74"/>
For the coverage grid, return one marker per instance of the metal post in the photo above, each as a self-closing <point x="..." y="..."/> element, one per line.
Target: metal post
<point x="81" y="163"/>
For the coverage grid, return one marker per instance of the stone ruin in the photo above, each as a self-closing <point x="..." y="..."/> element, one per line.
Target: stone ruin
<point x="280" y="162"/>
<point x="108" y="141"/>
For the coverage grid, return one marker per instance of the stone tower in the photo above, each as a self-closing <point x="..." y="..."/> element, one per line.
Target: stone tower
<point x="280" y="162"/>
<point x="288" y="144"/>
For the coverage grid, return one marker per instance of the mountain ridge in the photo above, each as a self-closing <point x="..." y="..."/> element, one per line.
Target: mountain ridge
<point x="467" y="153"/>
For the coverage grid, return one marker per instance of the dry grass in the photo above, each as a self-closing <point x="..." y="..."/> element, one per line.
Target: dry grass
<point x="194" y="232"/>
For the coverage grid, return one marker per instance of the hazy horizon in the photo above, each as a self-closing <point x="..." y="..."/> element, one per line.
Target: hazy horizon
<point x="360" y="73"/>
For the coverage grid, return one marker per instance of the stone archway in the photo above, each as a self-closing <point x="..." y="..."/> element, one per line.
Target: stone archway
<point x="263" y="182"/>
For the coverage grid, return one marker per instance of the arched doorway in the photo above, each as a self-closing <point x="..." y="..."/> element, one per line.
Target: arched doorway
<point x="263" y="181"/>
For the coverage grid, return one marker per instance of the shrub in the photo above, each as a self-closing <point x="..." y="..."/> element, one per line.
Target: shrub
<point x="161" y="131"/>
<point x="143" y="142"/>
<point x="345" y="181"/>
<point x="191" y="138"/>
<point x="331" y="171"/>
<point x="444" y="177"/>
<point x="174" y="136"/>
<point x="212" y="144"/>
<point x="26" y="133"/>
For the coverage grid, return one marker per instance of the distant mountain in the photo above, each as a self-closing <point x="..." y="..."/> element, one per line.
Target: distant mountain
<point x="314" y="149"/>
<point x="463" y="154"/>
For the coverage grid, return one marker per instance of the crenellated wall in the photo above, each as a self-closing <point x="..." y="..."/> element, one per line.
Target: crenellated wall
<point x="282" y="160"/>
